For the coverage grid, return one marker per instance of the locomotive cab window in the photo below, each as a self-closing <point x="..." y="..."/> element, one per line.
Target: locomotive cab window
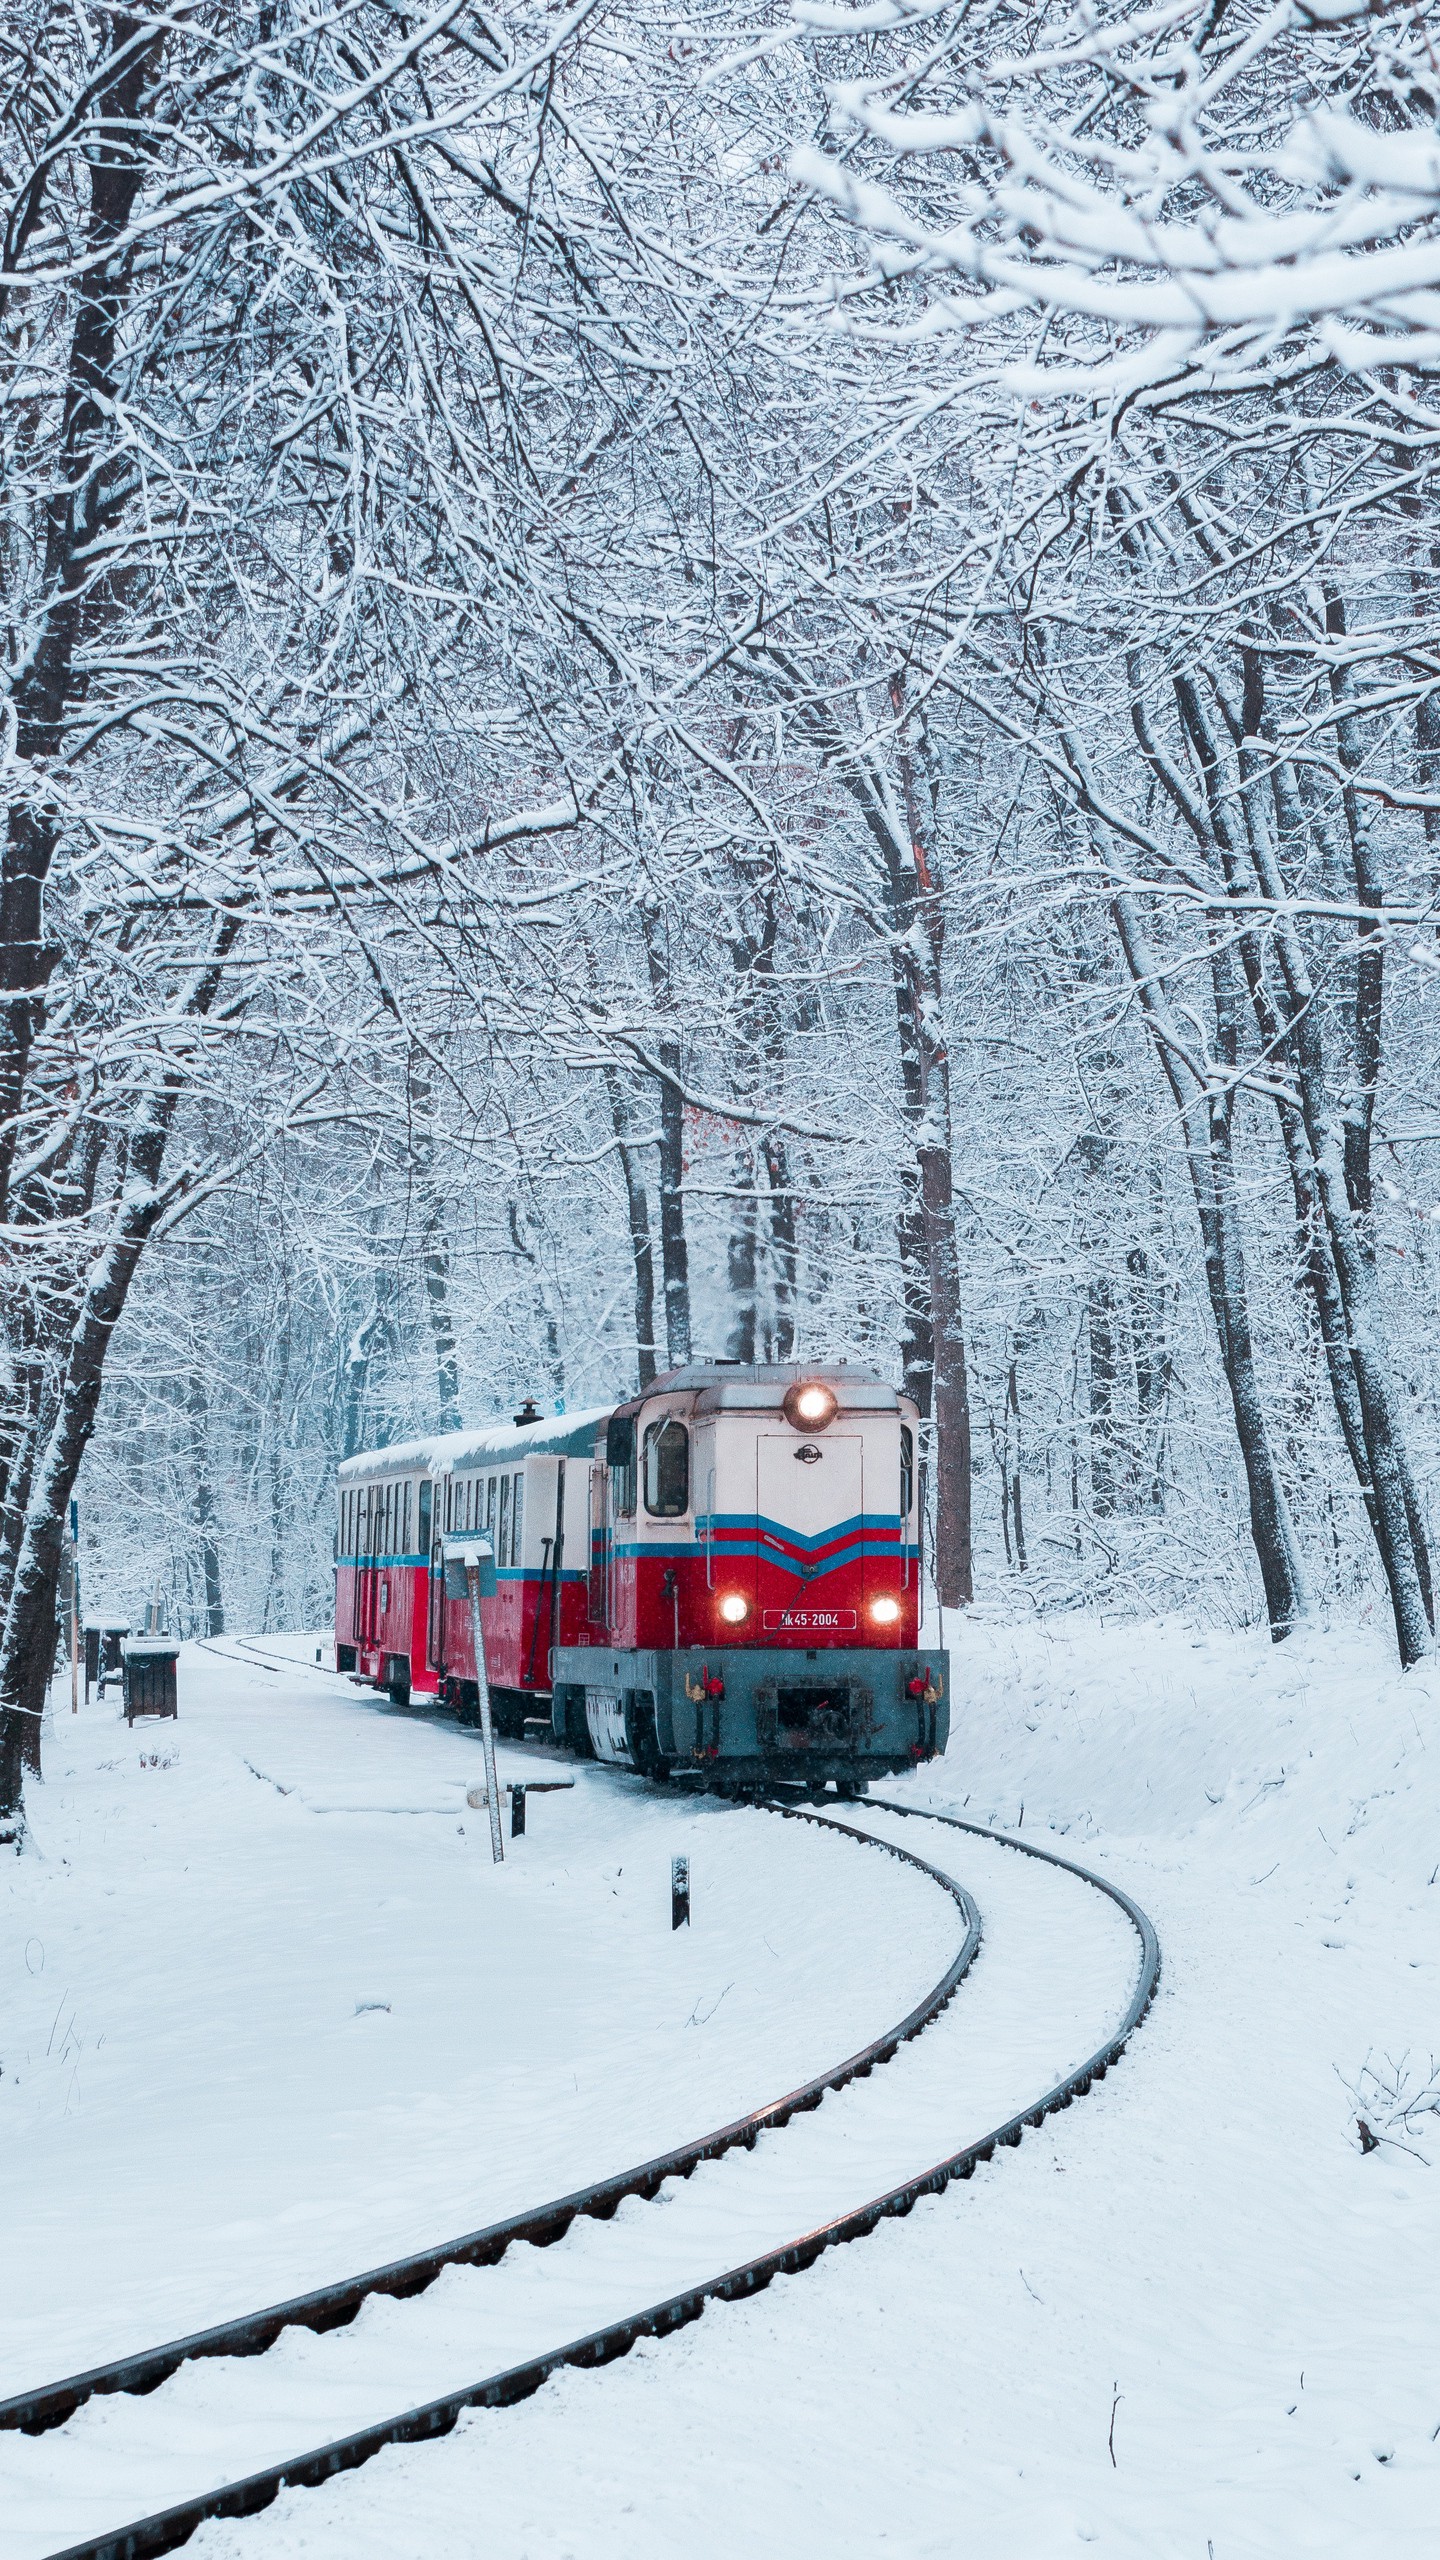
<point x="667" y="1469"/>
<point x="427" y="1496"/>
<point x="907" y="1470"/>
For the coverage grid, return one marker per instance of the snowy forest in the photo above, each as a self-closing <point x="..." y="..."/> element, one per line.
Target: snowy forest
<point x="746" y="681"/>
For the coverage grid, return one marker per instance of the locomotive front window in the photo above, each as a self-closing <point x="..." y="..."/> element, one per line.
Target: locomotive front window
<point x="667" y="1469"/>
<point x="504" y="1555"/>
<point x="423" y="1508"/>
<point x="907" y="1470"/>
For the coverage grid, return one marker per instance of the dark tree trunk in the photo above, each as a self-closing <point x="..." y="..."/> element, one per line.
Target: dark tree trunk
<point x="1154" y="1369"/>
<point x="442" y="1326"/>
<point x="916" y="916"/>
<point x="1012" y="1453"/>
<point x="77" y="519"/>
<point x="674" y="1252"/>
<point x="1334" y="1176"/>
<point x="1100" y="1313"/>
<point x="782" y="1245"/>
<point x="740" y="1263"/>
<point x="199" y="1410"/>
<point x="642" y="1251"/>
<point x="435" y="1245"/>
<point x="1329" y="1162"/>
<point x="28" y="1650"/>
<point x="1205" y="1122"/>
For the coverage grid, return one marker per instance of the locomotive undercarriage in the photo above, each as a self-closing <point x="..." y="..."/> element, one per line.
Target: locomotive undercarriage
<point x="753" y="1718"/>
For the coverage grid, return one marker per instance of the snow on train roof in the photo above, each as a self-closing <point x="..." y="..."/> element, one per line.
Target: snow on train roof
<point x="564" y="1435"/>
<point x="717" y="1383"/>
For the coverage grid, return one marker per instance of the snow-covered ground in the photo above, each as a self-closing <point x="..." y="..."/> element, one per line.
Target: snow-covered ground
<point x="272" y="2015"/>
<point x="1188" y="2317"/>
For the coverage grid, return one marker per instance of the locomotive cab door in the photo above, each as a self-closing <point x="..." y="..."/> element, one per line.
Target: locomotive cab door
<point x="809" y="1498"/>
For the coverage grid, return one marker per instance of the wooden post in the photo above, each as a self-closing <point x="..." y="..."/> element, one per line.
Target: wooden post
<point x="487" y="1729"/>
<point x="679" y="1893"/>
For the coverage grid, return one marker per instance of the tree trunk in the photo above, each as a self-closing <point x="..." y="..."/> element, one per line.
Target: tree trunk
<point x="782" y="1246"/>
<point x="199" y="1410"/>
<point x="740" y="1263"/>
<point x="1205" y="1122"/>
<point x="1338" y="1167"/>
<point x="1012" y="1455"/>
<point x="1329" y="1165"/>
<point x="920" y="950"/>
<point x="642" y="1252"/>
<point x="1100" y="1325"/>
<point x="674" y="1252"/>
<point x="27" y="1648"/>
<point x="77" y="519"/>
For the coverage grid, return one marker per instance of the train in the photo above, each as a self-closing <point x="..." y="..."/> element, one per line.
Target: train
<point x="718" y="1580"/>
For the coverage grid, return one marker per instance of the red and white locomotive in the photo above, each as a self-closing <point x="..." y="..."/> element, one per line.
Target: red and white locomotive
<point x="719" y="1578"/>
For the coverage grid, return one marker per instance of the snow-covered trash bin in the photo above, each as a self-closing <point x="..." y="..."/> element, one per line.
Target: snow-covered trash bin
<point x="103" y="1640"/>
<point x="147" y="1672"/>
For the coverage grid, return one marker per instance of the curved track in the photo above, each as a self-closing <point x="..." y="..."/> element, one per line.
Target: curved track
<point x="748" y="2208"/>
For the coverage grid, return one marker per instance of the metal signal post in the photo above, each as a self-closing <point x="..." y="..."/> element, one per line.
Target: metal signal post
<point x="470" y="1568"/>
<point x="487" y="1728"/>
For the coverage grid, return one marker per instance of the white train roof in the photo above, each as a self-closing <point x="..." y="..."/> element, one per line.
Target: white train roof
<point x="716" y="1386"/>
<point x="500" y="1444"/>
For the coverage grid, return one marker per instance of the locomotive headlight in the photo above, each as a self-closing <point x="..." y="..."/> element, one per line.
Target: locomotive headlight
<point x="809" y="1405"/>
<point x="734" y="1607"/>
<point x="884" y="1612"/>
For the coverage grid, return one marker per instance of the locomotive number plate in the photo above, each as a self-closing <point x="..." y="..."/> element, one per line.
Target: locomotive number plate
<point x="808" y="1621"/>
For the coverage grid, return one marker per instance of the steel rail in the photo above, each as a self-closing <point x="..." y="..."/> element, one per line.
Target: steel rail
<point x="170" y="2528"/>
<point x="333" y="2306"/>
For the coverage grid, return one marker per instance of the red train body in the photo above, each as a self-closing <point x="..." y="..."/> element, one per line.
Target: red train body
<point x="721" y="1576"/>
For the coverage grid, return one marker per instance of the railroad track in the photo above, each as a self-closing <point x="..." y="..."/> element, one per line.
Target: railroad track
<point x="800" y="2188"/>
<point x="260" y="1657"/>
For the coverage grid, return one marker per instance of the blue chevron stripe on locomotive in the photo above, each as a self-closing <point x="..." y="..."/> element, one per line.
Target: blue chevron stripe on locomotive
<point x="873" y="1535"/>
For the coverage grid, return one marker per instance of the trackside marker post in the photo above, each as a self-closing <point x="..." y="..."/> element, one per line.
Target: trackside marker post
<point x="679" y="1893"/>
<point x="517" y="1812"/>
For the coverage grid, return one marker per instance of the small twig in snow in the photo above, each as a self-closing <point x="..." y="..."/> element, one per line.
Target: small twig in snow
<point x="695" y="2019"/>
<point x="1114" y="2405"/>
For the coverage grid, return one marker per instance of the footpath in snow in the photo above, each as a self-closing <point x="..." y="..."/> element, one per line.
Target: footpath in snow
<point x="1187" y="2317"/>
